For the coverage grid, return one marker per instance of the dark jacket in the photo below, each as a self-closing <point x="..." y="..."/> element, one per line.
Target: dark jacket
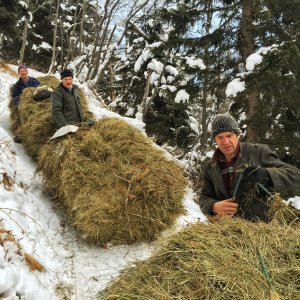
<point x="284" y="178"/>
<point x="66" y="107"/>
<point x="20" y="85"/>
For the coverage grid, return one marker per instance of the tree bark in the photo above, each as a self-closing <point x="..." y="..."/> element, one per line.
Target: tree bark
<point x="248" y="49"/>
<point x="24" y="36"/>
<point x="53" y="59"/>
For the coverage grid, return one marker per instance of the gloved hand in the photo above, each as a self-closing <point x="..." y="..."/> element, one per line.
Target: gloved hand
<point x="91" y="122"/>
<point x="255" y="174"/>
<point x="88" y="123"/>
<point x="251" y="198"/>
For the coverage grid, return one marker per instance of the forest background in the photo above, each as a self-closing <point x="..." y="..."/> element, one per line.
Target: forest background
<point x="173" y="64"/>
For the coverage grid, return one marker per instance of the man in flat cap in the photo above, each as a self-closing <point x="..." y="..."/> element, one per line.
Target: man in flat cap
<point x="239" y="175"/>
<point x="66" y="106"/>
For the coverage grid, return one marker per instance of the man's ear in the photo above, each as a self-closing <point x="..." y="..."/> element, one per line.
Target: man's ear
<point x="238" y="136"/>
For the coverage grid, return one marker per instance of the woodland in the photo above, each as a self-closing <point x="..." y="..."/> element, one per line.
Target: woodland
<point x="169" y="63"/>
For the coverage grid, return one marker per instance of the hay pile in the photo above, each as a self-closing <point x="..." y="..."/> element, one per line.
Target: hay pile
<point x="36" y="124"/>
<point x="116" y="186"/>
<point x="220" y="260"/>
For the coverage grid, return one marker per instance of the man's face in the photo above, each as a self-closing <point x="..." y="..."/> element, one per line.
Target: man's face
<point x="67" y="82"/>
<point x="23" y="74"/>
<point x="227" y="142"/>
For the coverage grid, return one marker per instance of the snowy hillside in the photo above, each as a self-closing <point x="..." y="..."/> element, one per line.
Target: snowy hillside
<point x="73" y="268"/>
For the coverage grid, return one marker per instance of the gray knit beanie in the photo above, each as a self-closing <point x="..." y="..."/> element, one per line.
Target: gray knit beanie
<point x="224" y="122"/>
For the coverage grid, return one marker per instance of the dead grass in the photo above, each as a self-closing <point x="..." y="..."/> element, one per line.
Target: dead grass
<point x="219" y="260"/>
<point x="116" y="186"/>
<point x="7" y="237"/>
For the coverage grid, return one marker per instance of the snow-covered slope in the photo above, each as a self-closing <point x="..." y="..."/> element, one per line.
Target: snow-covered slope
<point x="73" y="268"/>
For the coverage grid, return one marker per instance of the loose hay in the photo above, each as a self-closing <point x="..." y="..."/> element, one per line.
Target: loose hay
<point x="116" y="186"/>
<point x="36" y="125"/>
<point x="217" y="261"/>
<point x="281" y="212"/>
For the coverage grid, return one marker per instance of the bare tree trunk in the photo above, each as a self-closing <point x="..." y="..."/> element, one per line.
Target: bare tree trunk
<point x="81" y="45"/>
<point x="124" y="80"/>
<point x="248" y="40"/>
<point x="70" y="54"/>
<point x="108" y="17"/>
<point x="24" y="36"/>
<point x="53" y="59"/>
<point x="145" y="102"/>
<point x="24" y="41"/>
<point x="96" y="39"/>
<point x="112" y="82"/>
<point x="203" y="136"/>
<point x="61" y="45"/>
<point x="136" y="7"/>
<point x="104" y="60"/>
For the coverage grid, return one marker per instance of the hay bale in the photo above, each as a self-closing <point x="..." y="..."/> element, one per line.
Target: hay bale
<point x="116" y="185"/>
<point x="15" y="119"/>
<point x="220" y="260"/>
<point x="36" y="125"/>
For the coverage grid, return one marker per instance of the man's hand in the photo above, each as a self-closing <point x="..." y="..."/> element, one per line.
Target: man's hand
<point x="256" y="174"/>
<point x="225" y="207"/>
<point x="252" y="176"/>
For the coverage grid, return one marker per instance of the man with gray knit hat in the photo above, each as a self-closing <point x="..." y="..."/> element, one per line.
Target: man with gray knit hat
<point x="239" y="175"/>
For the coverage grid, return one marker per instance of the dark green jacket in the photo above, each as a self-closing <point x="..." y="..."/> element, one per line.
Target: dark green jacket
<point x="66" y="107"/>
<point x="284" y="177"/>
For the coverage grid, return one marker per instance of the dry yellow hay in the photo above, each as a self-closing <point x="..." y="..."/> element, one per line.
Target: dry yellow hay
<point x="14" y="117"/>
<point x="221" y="261"/>
<point x="33" y="264"/>
<point x="281" y="212"/>
<point x="36" y="125"/>
<point x="116" y="186"/>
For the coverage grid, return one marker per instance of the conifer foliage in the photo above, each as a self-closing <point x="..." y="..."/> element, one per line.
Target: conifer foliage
<point x="169" y="62"/>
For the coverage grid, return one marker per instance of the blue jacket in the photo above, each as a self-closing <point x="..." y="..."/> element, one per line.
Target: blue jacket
<point x="20" y="85"/>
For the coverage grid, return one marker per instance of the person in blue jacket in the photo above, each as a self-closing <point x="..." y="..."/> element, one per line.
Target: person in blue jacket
<point x="23" y="82"/>
<point x="17" y="89"/>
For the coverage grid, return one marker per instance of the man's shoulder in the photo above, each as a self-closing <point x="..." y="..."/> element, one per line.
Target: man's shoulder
<point x="210" y="163"/>
<point x="59" y="90"/>
<point x="253" y="146"/>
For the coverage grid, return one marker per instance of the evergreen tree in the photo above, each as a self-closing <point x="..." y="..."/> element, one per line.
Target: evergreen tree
<point x="277" y="119"/>
<point x="9" y="31"/>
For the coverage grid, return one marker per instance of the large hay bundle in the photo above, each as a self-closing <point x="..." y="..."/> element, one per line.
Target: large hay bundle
<point x="221" y="260"/>
<point x="115" y="184"/>
<point x="36" y="121"/>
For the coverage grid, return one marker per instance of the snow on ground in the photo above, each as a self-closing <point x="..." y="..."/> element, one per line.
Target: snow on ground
<point x="73" y="268"/>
